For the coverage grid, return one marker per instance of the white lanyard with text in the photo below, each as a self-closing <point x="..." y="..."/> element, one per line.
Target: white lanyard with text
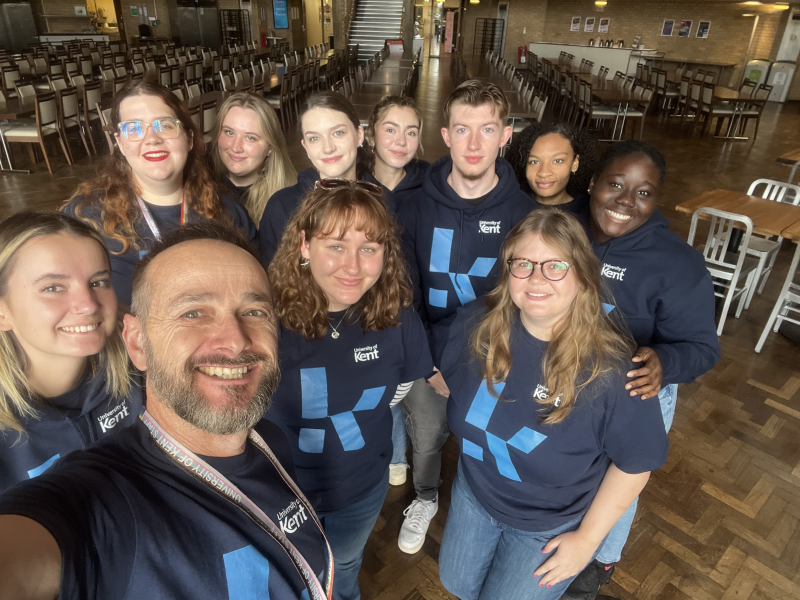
<point x="151" y="222"/>
<point x="208" y="475"/>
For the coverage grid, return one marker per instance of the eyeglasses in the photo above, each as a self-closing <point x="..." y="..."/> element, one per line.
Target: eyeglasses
<point x="554" y="270"/>
<point x="166" y="129"/>
<point x="335" y="184"/>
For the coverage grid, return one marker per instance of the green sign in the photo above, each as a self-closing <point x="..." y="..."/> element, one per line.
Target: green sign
<point x="134" y="11"/>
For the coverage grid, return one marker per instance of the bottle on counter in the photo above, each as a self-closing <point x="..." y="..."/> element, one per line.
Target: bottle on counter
<point x="591" y="41"/>
<point x="601" y="43"/>
<point x="621" y="44"/>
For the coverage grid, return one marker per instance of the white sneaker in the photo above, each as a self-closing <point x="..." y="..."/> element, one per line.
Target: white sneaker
<point x="415" y="527"/>
<point x="397" y="474"/>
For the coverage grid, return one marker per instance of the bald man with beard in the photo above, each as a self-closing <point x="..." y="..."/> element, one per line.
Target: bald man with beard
<point x="197" y="498"/>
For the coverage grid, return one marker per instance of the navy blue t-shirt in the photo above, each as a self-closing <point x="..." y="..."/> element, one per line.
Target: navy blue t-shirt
<point x="73" y="421"/>
<point x="333" y="404"/>
<point x="168" y="219"/>
<point x="532" y="476"/>
<point x="130" y="523"/>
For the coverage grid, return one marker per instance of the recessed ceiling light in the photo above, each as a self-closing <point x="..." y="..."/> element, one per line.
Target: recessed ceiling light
<point x="781" y="7"/>
<point x="600" y="2"/>
<point x="748" y="15"/>
<point x="752" y="3"/>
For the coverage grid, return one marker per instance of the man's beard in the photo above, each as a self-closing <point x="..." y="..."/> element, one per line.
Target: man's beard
<point x="242" y="410"/>
<point x="471" y="176"/>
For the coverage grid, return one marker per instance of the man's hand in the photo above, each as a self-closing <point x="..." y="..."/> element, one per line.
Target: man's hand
<point x="573" y="553"/>
<point x="438" y="385"/>
<point x="648" y="378"/>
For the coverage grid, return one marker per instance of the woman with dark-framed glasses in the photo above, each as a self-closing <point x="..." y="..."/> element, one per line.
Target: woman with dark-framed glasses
<point x="155" y="180"/>
<point x="351" y="345"/>
<point x="552" y="448"/>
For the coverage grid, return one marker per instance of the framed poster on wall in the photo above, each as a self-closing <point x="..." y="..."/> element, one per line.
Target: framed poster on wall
<point x="280" y="14"/>
<point x="702" y="29"/>
<point x="667" y="27"/>
<point x="576" y="24"/>
<point x="589" y="26"/>
<point x="603" y="26"/>
<point x="685" y="29"/>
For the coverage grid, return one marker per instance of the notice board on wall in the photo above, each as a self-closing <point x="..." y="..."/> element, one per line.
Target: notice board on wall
<point x="280" y="14"/>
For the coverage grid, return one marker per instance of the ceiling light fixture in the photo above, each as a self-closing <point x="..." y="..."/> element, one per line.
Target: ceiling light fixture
<point x="600" y="2"/>
<point x="781" y="7"/>
<point x="748" y="15"/>
<point x="752" y="3"/>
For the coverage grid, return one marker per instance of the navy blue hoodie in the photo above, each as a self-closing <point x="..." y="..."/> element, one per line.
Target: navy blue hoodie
<point x="662" y="287"/>
<point x="279" y="210"/>
<point x="409" y="186"/>
<point x="167" y="218"/>
<point x="576" y="206"/>
<point x="73" y="421"/>
<point x="237" y="193"/>
<point x="452" y="247"/>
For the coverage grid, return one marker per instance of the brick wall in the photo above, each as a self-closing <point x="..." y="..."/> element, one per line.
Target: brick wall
<point x="727" y="42"/>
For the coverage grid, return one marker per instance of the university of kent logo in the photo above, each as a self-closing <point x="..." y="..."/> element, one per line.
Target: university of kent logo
<point x="314" y="385"/>
<point x="440" y="263"/>
<point x="525" y="440"/>
<point x="489" y="226"/>
<point x="613" y="272"/>
<point x="542" y="393"/>
<point x="292" y="522"/>
<point x="110" y="419"/>
<point x="366" y="353"/>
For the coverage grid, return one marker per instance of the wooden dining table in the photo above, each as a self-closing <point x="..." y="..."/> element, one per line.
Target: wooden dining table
<point x="740" y="102"/>
<point x="396" y="76"/>
<point x="769" y="217"/>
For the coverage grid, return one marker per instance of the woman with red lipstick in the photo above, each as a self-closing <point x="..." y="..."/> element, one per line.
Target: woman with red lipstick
<point x="332" y="136"/>
<point x="390" y="160"/>
<point x="64" y="379"/>
<point x="249" y="152"/>
<point x="554" y="163"/>
<point x="350" y="347"/>
<point x="155" y="180"/>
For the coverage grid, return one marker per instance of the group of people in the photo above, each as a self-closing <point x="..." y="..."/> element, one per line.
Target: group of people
<point x="212" y="365"/>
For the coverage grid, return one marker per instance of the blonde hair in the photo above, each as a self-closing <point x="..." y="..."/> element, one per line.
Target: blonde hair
<point x="277" y="170"/>
<point x="474" y="92"/>
<point x="585" y="346"/>
<point x="378" y="115"/>
<point x="15" y="389"/>
<point x="300" y="303"/>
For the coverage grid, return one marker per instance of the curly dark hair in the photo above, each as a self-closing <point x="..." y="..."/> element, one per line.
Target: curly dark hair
<point x="582" y="145"/>
<point x="300" y="303"/>
<point x="628" y="147"/>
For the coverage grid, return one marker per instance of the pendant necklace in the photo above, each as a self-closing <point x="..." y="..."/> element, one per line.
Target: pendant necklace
<point x="335" y="334"/>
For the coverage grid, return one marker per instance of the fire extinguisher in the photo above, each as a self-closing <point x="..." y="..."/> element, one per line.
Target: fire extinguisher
<point x="522" y="55"/>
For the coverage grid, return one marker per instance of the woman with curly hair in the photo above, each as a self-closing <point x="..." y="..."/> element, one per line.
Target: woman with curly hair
<point x="155" y="180"/>
<point x="554" y="163"/>
<point x="351" y="346"/>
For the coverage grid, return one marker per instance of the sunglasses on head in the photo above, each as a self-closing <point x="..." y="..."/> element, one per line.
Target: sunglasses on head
<point x="335" y="184"/>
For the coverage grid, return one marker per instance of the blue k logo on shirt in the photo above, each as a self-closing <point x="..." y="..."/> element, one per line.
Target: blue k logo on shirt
<point x="440" y="263"/>
<point x="480" y="411"/>
<point x="314" y="383"/>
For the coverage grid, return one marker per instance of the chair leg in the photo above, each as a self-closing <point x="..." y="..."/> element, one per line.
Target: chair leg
<point x="62" y="138"/>
<point x="83" y="139"/>
<point x="32" y="154"/>
<point x="46" y="159"/>
<point x="91" y="135"/>
<point x="725" y="308"/>
<point x="757" y="275"/>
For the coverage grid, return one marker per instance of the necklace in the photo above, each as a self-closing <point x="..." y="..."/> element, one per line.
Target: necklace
<point x="335" y="334"/>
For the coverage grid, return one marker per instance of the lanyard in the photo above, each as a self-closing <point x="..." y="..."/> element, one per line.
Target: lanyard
<point x="208" y="475"/>
<point x="151" y="222"/>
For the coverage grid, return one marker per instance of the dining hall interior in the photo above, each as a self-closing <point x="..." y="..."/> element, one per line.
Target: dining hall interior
<point x="711" y="84"/>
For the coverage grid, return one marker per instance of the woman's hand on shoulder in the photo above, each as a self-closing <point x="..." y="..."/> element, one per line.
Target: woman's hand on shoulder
<point x="438" y="385"/>
<point x="573" y="551"/>
<point x="646" y="379"/>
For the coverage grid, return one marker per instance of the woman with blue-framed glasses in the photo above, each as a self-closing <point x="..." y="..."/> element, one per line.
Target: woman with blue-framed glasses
<point x="154" y="181"/>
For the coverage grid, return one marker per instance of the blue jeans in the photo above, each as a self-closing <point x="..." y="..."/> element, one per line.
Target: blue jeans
<point x="399" y="436"/>
<point x="481" y="558"/>
<point x="347" y="530"/>
<point x="611" y="549"/>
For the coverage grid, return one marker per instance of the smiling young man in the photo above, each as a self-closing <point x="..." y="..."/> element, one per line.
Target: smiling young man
<point x="453" y="231"/>
<point x="190" y="501"/>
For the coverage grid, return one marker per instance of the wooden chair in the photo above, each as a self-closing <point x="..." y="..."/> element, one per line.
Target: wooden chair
<point x="46" y="128"/>
<point x="209" y="115"/>
<point x="91" y="97"/>
<point x="69" y="120"/>
<point x="754" y="110"/>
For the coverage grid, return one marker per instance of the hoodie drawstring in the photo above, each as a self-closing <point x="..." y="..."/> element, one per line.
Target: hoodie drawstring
<point x="460" y="242"/>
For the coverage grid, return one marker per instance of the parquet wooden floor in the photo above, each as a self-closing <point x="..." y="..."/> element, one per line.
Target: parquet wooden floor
<point x="720" y="520"/>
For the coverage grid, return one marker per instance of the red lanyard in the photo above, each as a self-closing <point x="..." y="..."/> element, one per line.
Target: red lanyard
<point x="215" y="480"/>
<point x="151" y="222"/>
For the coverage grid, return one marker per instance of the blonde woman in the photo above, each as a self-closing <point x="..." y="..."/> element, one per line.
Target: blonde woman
<point x="64" y="380"/>
<point x="553" y="449"/>
<point x="249" y="152"/>
<point x="350" y="347"/>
